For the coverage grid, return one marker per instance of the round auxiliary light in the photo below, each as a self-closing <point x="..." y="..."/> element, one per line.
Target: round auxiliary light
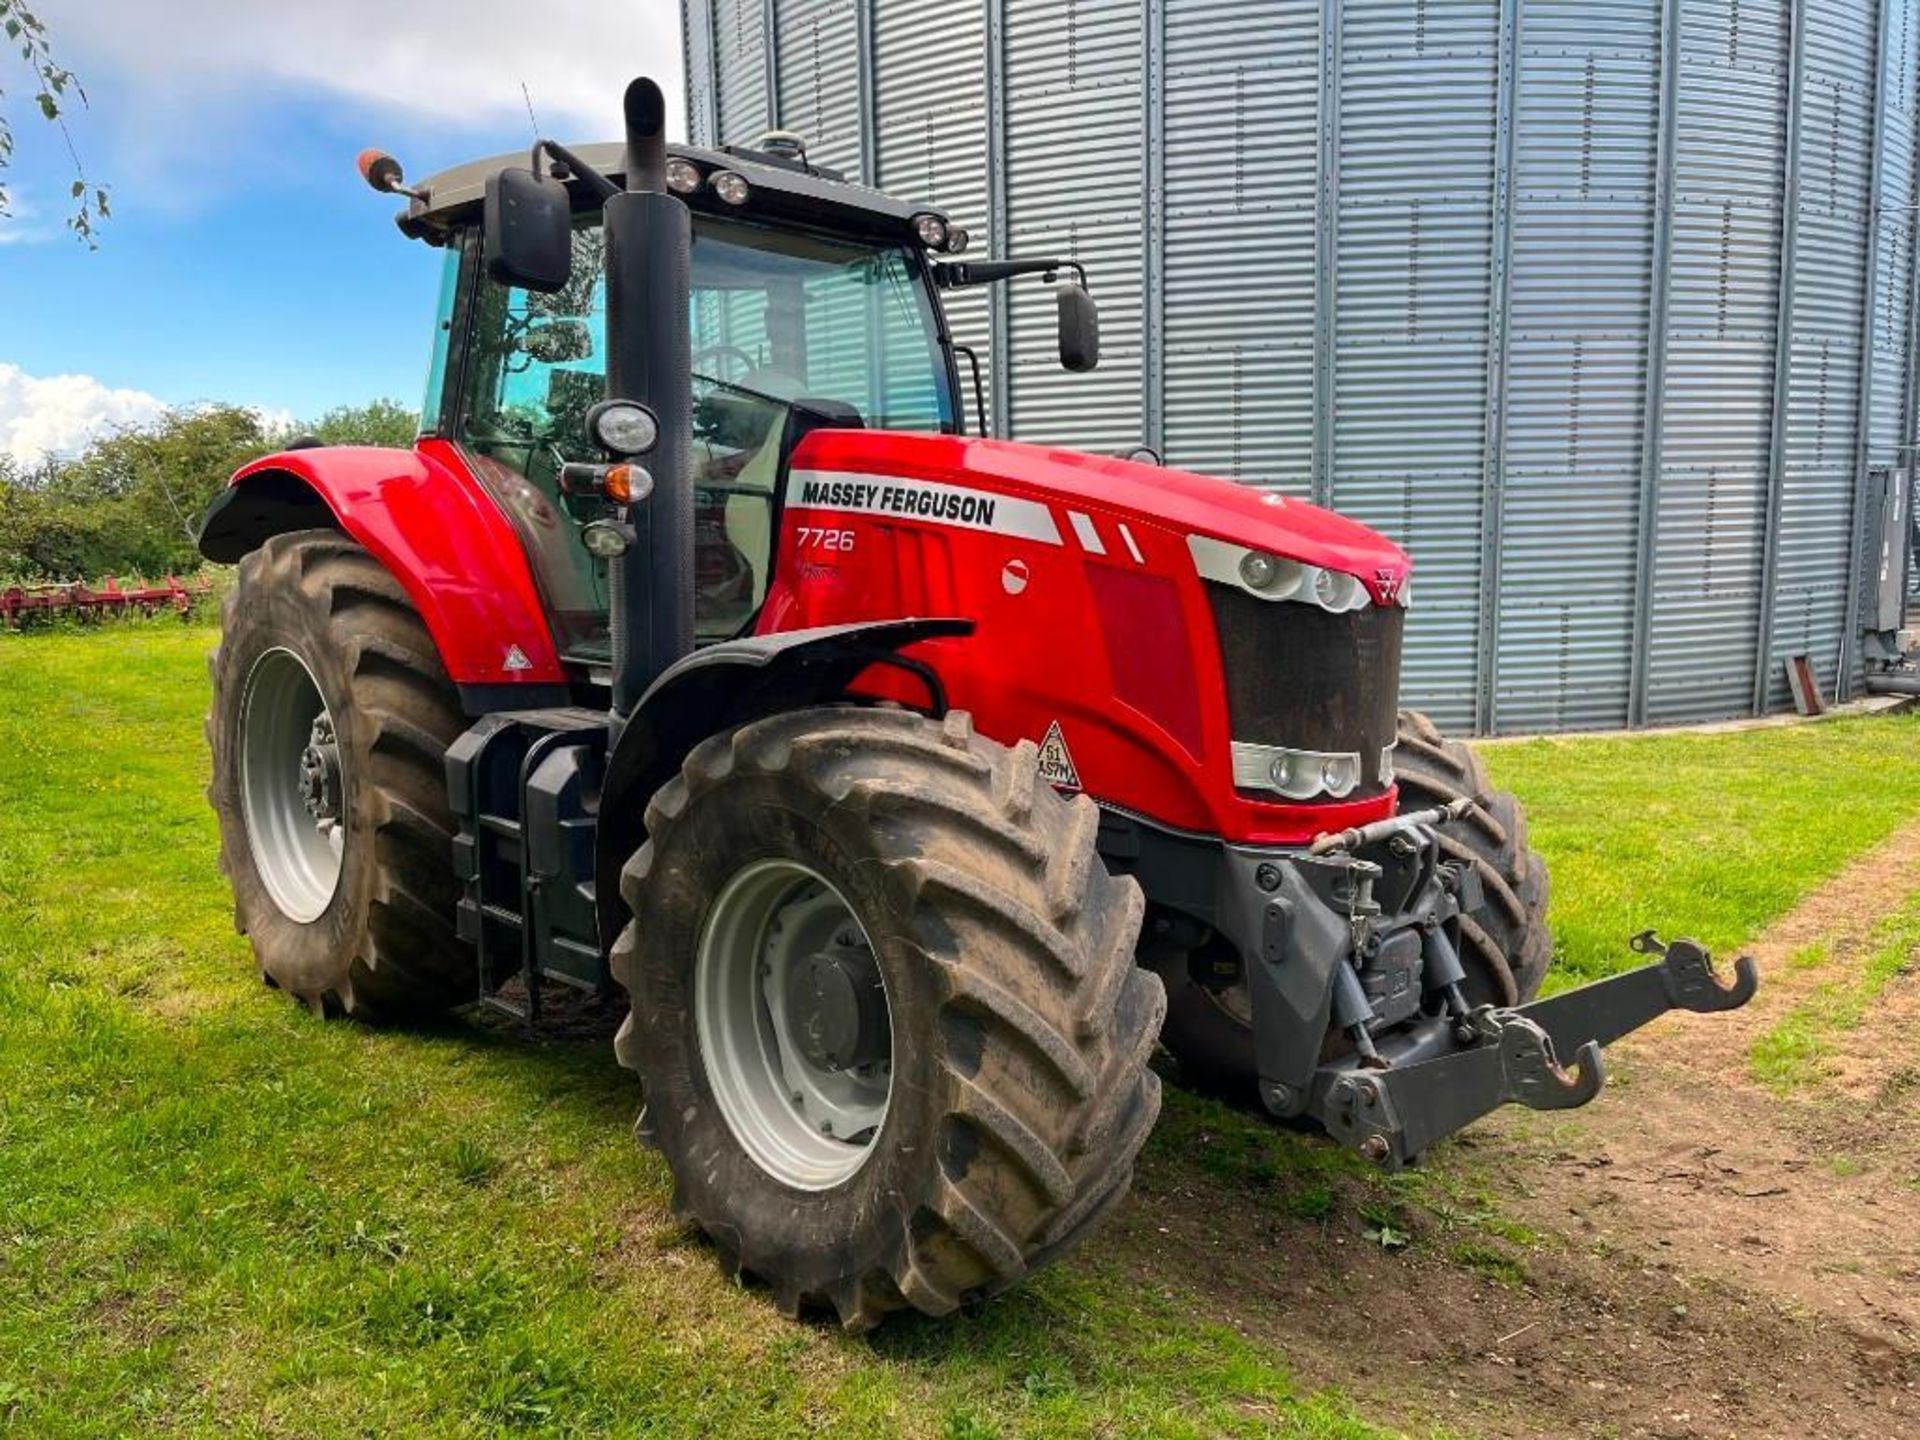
<point x="683" y="176"/>
<point x="957" y="240"/>
<point x="932" y="230"/>
<point x="626" y="427"/>
<point x="605" y="539"/>
<point x="731" y="186"/>
<point x="1386" y="765"/>
<point x="1260" y="571"/>
<point x="1285" y="772"/>
<point x="1339" y="774"/>
<point x="1266" y="574"/>
<point x="1335" y="591"/>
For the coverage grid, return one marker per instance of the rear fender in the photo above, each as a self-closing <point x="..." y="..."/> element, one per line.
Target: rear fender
<point x="725" y="685"/>
<point x="424" y="516"/>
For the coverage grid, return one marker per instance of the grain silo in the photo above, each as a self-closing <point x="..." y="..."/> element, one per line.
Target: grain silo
<point x="1603" y="308"/>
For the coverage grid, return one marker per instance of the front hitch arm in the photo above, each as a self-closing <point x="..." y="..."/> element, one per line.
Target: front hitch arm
<point x="1392" y="1113"/>
<point x="1607" y="1009"/>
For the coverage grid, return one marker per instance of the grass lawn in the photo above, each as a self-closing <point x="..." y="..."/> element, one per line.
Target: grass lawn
<point x="220" y="1216"/>
<point x="1703" y="835"/>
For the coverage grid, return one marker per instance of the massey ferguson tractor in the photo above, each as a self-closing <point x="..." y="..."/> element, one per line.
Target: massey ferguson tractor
<point x="912" y="785"/>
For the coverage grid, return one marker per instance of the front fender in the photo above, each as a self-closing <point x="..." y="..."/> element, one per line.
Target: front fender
<point x="715" y="689"/>
<point x="424" y="516"/>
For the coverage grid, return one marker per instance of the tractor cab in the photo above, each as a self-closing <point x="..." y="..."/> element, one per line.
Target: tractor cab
<point x="835" y="310"/>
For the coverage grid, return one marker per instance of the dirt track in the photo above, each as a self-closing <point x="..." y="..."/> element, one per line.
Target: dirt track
<point x="1711" y="1259"/>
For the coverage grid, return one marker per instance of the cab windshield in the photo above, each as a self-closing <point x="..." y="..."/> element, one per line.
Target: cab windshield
<point x="777" y="316"/>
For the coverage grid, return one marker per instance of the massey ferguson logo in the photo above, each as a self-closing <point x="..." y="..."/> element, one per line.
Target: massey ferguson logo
<point x="1386" y="584"/>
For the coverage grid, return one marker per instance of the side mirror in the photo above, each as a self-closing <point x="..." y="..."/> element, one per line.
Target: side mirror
<point x="1079" y="327"/>
<point x="527" y="231"/>
<point x="557" y="342"/>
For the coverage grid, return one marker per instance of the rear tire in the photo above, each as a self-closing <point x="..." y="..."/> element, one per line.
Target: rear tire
<point x="1506" y="946"/>
<point x="315" y="622"/>
<point x="1020" y="1028"/>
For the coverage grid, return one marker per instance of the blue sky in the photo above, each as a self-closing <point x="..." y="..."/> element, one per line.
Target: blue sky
<point x="245" y="260"/>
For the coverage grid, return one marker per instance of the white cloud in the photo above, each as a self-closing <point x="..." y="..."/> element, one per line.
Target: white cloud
<point x="274" y="419"/>
<point x="56" y="415"/>
<point x="455" y="61"/>
<point x="24" y="224"/>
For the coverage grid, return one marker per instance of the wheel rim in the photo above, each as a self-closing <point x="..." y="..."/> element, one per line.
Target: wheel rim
<point x="292" y="786"/>
<point x="795" y="1027"/>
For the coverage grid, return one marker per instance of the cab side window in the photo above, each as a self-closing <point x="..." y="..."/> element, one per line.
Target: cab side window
<point x="541" y="366"/>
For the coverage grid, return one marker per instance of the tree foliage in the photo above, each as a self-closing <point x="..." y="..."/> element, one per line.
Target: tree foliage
<point x="127" y="504"/>
<point x="379" y="422"/>
<point x="54" y="89"/>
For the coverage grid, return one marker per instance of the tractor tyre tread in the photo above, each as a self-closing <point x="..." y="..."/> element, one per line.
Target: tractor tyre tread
<point x="1034" y="1035"/>
<point x="397" y="954"/>
<point x="1509" y="933"/>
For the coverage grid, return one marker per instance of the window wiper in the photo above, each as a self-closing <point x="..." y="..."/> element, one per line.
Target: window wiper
<point x="747" y="390"/>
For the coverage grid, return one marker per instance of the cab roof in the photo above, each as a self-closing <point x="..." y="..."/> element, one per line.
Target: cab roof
<point x="781" y="190"/>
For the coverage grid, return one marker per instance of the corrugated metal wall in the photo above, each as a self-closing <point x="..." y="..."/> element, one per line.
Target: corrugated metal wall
<point x="1601" y="307"/>
<point x="1586" y="134"/>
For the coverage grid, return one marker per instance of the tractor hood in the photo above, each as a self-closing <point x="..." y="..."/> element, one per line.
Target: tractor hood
<point x="1175" y="500"/>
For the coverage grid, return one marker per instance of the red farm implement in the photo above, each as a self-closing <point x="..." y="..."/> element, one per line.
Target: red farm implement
<point x="22" y="604"/>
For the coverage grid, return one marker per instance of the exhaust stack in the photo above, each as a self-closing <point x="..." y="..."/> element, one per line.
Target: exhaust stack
<point x="649" y="240"/>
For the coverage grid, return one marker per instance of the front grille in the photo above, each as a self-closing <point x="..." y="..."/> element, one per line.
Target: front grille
<point x="1301" y="678"/>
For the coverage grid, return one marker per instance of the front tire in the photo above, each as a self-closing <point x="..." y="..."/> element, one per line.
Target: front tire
<point x="1505" y="943"/>
<point x="999" y="951"/>
<point x="329" y="728"/>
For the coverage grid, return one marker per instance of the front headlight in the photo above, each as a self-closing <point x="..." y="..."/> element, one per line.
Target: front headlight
<point x="1274" y="577"/>
<point x="626" y="427"/>
<point x="1270" y="575"/>
<point x="1336" y="592"/>
<point x="683" y="176"/>
<point x="932" y="231"/>
<point x="1340" y="775"/>
<point x="1295" y="774"/>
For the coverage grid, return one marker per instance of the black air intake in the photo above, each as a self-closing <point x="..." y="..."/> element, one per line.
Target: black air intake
<point x="649" y="281"/>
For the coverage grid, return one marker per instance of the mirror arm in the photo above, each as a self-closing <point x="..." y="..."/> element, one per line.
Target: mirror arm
<point x="955" y="274"/>
<point x="601" y="186"/>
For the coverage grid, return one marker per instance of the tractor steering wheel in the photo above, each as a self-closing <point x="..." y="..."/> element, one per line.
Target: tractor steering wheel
<point x="730" y="352"/>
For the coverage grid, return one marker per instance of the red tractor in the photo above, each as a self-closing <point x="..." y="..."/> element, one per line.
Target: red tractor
<point x="911" y="785"/>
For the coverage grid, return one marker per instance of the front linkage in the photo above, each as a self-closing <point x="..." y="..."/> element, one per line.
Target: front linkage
<point x="1362" y="1019"/>
<point x="1512" y="1056"/>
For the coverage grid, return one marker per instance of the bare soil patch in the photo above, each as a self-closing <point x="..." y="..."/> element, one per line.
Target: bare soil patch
<point x="1707" y="1258"/>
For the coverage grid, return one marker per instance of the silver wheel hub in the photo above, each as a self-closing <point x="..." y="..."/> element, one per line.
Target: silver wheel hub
<point x="320" y="773"/>
<point x="795" y="1030"/>
<point x="292" y="785"/>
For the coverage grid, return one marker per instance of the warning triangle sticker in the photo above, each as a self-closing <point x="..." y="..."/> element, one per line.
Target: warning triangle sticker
<point x="1056" y="765"/>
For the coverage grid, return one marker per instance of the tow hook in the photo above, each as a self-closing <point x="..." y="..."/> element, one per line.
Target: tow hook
<point x="1513" y="1057"/>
